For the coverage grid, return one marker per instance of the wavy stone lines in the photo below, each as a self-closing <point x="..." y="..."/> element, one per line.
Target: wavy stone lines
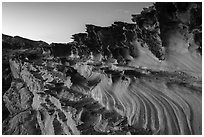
<point x="170" y="104"/>
<point x="160" y="107"/>
<point x="194" y="103"/>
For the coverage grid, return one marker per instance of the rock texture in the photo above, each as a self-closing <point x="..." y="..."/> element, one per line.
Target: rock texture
<point x="139" y="78"/>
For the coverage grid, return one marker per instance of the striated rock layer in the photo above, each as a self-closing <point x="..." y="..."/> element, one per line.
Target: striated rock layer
<point x="139" y="78"/>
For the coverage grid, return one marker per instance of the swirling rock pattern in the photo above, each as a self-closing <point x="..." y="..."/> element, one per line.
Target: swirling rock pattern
<point x="139" y="78"/>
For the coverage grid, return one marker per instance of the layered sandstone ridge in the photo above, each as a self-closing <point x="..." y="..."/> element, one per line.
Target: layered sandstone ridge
<point x="138" y="78"/>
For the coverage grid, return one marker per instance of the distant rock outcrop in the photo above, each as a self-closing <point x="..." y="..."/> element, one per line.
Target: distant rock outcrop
<point x="134" y="78"/>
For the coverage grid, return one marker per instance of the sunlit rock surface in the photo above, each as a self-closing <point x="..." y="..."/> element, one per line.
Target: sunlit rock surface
<point x="139" y="78"/>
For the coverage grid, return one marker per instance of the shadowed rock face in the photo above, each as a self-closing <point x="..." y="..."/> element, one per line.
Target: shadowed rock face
<point x="184" y="18"/>
<point x="139" y="78"/>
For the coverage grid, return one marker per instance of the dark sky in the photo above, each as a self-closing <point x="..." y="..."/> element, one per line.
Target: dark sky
<point x="56" y="22"/>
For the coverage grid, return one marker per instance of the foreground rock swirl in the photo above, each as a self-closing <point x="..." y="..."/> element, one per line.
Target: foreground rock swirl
<point x="143" y="78"/>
